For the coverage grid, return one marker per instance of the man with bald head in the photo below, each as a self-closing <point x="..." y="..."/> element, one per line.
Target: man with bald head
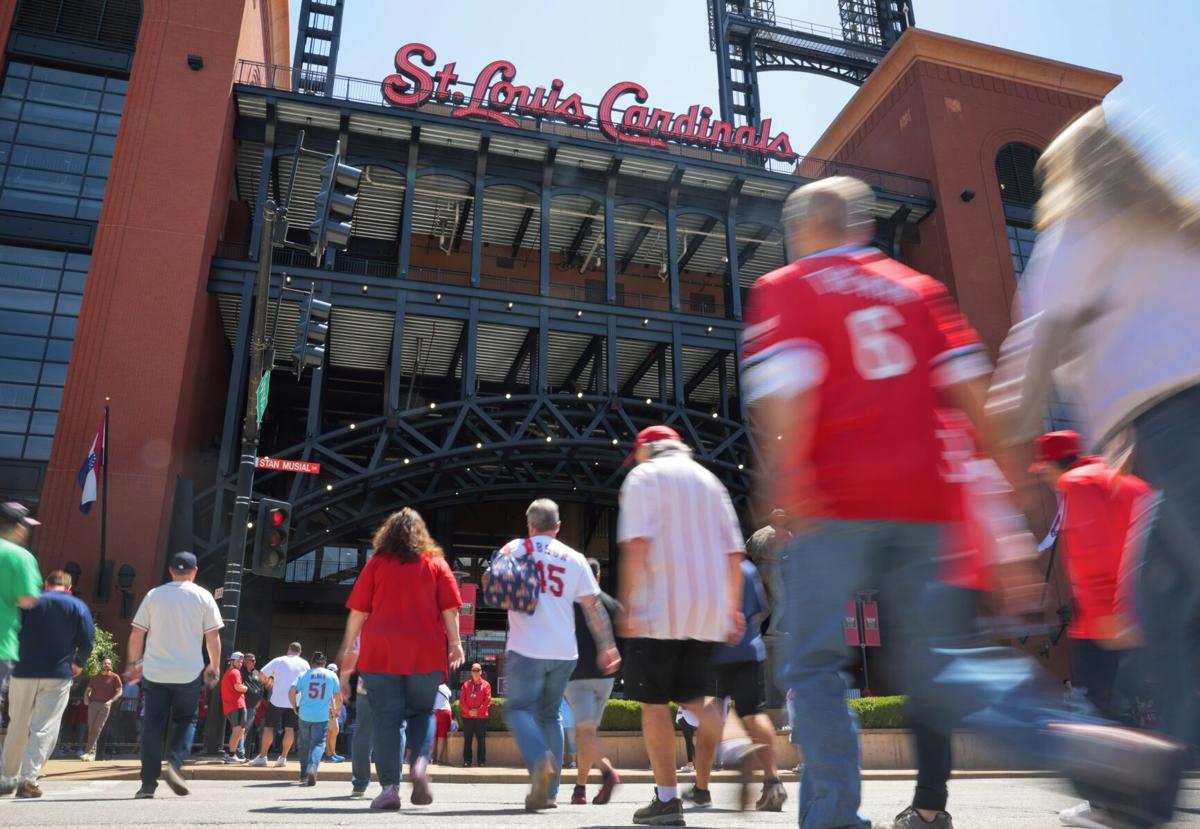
<point x="846" y="353"/>
<point x="848" y="356"/>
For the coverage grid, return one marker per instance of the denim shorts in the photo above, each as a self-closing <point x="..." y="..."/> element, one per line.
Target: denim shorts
<point x="587" y="698"/>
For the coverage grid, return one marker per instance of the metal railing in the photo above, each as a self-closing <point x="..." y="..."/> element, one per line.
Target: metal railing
<point x="363" y="91"/>
<point x="360" y="266"/>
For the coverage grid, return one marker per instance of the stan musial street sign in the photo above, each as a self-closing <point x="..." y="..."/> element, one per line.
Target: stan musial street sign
<point x="289" y="466"/>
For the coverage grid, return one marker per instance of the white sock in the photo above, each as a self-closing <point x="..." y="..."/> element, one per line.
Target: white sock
<point x="667" y="793"/>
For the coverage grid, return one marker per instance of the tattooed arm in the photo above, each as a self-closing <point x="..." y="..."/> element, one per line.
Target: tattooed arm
<point x="601" y="627"/>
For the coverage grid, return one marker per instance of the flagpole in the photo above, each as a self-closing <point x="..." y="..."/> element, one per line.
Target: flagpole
<point x="103" y="502"/>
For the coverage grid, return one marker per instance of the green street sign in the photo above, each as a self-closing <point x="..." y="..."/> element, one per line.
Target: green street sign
<point x="264" y="389"/>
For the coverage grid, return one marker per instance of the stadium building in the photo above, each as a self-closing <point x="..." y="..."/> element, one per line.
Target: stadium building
<point x="531" y="278"/>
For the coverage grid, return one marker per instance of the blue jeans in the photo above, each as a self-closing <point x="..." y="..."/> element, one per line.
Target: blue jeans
<point x="402" y="711"/>
<point x="312" y="746"/>
<point x="1168" y="458"/>
<point x="165" y="703"/>
<point x="535" y="690"/>
<point x="948" y="678"/>
<point x="360" y="748"/>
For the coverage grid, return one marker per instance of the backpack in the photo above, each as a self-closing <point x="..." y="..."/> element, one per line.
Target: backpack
<point x="512" y="583"/>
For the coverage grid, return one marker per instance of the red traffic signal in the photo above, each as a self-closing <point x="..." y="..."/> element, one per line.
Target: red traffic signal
<point x="271" y="538"/>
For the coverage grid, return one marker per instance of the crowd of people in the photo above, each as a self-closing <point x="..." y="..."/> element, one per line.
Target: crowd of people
<point x="889" y="457"/>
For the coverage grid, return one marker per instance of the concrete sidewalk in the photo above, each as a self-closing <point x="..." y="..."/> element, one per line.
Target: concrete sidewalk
<point x="213" y="769"/>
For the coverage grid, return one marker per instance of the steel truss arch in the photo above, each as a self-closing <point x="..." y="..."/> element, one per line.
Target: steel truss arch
<point x="569" y="446"/>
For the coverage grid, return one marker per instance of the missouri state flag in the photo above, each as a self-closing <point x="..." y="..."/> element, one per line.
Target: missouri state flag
<point x="91" y="466"/>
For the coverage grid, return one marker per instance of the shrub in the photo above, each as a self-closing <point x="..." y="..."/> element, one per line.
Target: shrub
<point x="879" y="712"/>
<point x="103" y="646"/>
<point x="622" y="715"/>
<point x="626" y="715"/>
<point x="495" y="714"/>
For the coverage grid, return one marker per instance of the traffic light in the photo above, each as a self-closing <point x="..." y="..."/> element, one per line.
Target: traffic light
<point x="331" y="225"/>
<point x="271" y="530"/>
<point x="311" y="333"/>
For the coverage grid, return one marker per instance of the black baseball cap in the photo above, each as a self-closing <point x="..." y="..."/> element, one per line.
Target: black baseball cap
<point x="12" y="512"/>
<point x="183" y="562"/>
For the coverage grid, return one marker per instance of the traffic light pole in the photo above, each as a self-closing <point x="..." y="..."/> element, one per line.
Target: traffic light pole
<point x="235" y="554"/>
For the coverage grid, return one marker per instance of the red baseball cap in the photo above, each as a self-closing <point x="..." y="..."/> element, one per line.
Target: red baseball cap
<point x="649" y="435"/>
<point x="1054" y="446"/>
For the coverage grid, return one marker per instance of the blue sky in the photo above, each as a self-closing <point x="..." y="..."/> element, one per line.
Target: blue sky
<point x="663" y="44"/>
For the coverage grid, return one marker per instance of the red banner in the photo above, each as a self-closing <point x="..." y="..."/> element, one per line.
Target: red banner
<point x="278" y="465"/>
<point x="850" y="625"/>
<point x="870" y="611"/>
<point x="466" y="614"/>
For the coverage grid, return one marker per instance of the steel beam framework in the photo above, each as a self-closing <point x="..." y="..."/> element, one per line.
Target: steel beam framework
<point x="567" y="446"/>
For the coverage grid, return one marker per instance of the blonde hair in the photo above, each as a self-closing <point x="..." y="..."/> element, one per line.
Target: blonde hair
<point x="1090" y="164"/>
<point x="405" y="536"/>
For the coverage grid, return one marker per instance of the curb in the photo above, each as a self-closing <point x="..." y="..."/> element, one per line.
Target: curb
<point x="70" y="770"/>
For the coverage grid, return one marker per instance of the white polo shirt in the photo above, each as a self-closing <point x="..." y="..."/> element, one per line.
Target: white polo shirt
<point x="175" y="616"/>
<point x="685" y="514"/>
<point x="566" y="577"/>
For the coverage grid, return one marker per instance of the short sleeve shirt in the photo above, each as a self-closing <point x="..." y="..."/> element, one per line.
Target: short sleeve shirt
<point x="751" y="648"/>
<point x="231" y="698"/>
<point x="685" y="515"/>
<point x="1098" y="518"/>
<point x="315" y="690"/>
<point x="876" y="341"/>
<point x="283" y="671"/>
<point x="175" y="616"/>
<point x="404" y="601"/>
<point x="19" y="576"/>
<point x="105" y="687"/>
<point x="549" y="633"/>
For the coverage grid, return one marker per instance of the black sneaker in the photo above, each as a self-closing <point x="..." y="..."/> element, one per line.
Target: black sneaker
<point x="144" y="794"/>
<point x="355" y="791"/>
<point x="910" y="818"/>
<point x="699" y="797"/>
<point x="661" y="814"/>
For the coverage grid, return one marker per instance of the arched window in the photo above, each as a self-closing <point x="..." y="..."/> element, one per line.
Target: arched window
<point x="1019" y="192"/>
<point x="1014" y="169"/>
<point x="113" y="23"/>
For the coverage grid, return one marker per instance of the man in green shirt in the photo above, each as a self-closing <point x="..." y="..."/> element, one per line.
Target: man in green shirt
<point x="20" y="581"/>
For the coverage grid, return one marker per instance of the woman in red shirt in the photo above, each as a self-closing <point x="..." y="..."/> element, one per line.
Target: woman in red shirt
<point x="404" y="618"/>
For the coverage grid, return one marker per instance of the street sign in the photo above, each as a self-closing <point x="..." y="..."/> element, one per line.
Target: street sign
<point x="277" y="465"/>
<point x="219" y="592"/>
<point x="264" y="388"/>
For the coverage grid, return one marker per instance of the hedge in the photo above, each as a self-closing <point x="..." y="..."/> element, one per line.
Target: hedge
<point x="626" y="715"/>
<point x="879" y="712"/>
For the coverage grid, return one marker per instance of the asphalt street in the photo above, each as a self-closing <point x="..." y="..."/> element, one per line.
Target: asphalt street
<point x="976" y="804"/>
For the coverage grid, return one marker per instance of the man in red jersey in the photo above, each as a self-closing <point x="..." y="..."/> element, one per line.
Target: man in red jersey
<point x="1105" y="518"/>
<point x="847" y="354"/>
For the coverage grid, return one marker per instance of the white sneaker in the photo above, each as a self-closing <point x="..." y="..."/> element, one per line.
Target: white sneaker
<point x="281" y="762"/>
<point x="687" y="768"/>
<point x="1080" y="815"/>
<point x="259" y="761"/>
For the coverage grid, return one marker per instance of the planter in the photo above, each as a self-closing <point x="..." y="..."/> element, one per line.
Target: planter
<point x="883" y="749"/>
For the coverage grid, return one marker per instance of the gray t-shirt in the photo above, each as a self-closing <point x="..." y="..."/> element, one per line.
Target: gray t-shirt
<point x="175" y="616"/>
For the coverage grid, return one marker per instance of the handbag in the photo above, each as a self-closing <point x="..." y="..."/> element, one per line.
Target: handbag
<point x="512" y="583"/>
